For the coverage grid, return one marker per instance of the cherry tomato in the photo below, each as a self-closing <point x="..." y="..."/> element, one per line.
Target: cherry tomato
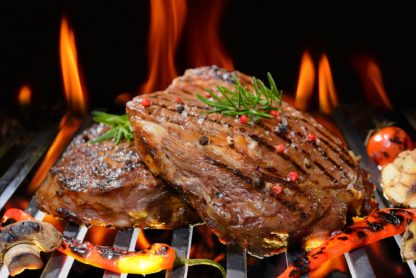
<point x="384" y="145"/>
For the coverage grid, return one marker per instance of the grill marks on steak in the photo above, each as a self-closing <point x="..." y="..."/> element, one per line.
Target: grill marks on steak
<point x="229" y="181"/>
<point x="107" y="185"/>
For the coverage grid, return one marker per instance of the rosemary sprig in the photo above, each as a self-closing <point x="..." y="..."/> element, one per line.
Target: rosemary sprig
<point x="120" y="127"/>
<point x="242" y="101"/>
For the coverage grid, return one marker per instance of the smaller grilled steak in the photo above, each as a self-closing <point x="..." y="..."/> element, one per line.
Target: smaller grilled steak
<point x="107" y="185"/>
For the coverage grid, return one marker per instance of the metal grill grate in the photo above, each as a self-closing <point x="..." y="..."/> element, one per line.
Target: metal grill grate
<point x="60" y="265"/>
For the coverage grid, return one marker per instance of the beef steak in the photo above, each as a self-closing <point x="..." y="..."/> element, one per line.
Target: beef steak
<point x="107" y="185"/>
<point x="232" y="174"/>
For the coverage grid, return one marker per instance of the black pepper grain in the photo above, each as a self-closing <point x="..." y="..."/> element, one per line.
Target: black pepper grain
<point x="180" y="108"/>
<point x="203" y="140"/>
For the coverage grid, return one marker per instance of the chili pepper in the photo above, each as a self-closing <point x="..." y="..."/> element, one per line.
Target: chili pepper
<point x="377" y="226"/>
<point x="156" y="258"/>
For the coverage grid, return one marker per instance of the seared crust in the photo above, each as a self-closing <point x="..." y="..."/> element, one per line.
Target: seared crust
<point x="229" y="180"/>
<point x="107" y="185"/>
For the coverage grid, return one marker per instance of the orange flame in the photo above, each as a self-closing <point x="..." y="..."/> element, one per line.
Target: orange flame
<point x="373" y="86"/>
<point x="75" y="93"/>
<point x="204" y="45"/>
<point x="76" y="98"/>
<point x="25" y="96"/>
<point x="305" y="83"/>
<point x="142" y="242"/>
<point x="166" y="22"/>
<point x="327" y="95"/>
<point x="101" y="235"/>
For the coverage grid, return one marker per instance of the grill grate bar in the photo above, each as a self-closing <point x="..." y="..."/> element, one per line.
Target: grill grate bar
<point x="357" y="146"/>
<point x="359" y="264"/>
<point x="126" y="240"/>
<point x="181" y="241"/>
<point x="236" y="262"/>
<point x="59" y="264"/>
<point x="18" y="171"/>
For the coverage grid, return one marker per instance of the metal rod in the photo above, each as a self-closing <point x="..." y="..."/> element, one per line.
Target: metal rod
<point x="236" y="262"/>
<point x="59" y="264"/>
<point x="181" y="241"/>
<point x="125" y="240"/>
<point x="21" y="167"/>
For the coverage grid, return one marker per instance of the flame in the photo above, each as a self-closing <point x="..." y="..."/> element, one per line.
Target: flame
<point x="204" y="45"/>
<point x="166" y="22"/>
<point x="305" y="83"/>
<point x="100" y="235"/>
<point x="57" y="223"/>
<point x="142" y="242"/>
<point x="327" y="94"/>
<point x="25" y="96"/>
<point x="75" y="93"/>
<point x="17" y="202"/>
<point x="373" y="86"/>
<point x="77" y="104"/>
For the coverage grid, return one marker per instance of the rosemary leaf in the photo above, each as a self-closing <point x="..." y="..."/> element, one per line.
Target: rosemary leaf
<point x="120" y="127"/>
<point x="256" y="103"/>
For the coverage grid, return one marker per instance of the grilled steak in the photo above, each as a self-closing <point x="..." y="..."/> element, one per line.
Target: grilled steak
<point x="232" y="174"/>
<point x="107" y="185"/>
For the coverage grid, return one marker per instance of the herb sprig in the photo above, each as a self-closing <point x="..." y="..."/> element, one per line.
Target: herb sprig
<point x="242" y="101"/>
<point x="120" y="127"/>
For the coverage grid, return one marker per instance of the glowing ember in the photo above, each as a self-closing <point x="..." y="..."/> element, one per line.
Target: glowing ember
<point x="306" y="82"/>
<point x="166" y="22"/>
<point x="327" y="94"/>
<point x="373" y="85"/>
<point x="337" y="263"/>
<point x="122" y="99"/>
<point x="25" y="96"/>
<point x="76" y="98"/>
<point x="203" y="40"/>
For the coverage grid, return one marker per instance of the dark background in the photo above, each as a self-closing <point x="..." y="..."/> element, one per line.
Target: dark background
<point x="111" y="39"/>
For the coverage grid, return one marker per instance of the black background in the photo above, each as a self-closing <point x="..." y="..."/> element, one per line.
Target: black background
<point x="111" y="39"/>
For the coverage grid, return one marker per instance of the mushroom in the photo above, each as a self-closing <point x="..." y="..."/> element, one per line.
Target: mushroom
<point x="21" y="243"/>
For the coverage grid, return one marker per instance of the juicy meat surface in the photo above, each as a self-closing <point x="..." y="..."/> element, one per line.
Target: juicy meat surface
<point x="232" y="175"/>
<point x="107" y="185"/>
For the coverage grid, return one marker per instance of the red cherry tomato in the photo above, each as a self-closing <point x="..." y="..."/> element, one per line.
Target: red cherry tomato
<point x="384" y="145"/>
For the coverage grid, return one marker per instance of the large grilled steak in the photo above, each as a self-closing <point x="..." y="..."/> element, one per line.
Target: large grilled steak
<point x="107" y="185"/>
<point x="232" y="174"/>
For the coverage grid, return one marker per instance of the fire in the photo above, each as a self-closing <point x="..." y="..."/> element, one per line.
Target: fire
<point x="373" y="86"/>
<point x="203" y="41"/>
<point x="306" y="82"/>
<point x="142" y="242"/>
<point x="75" y="93"/>
<point x="166" y="22"/>
<point x="25" y="96"/>
<point x="327" y="94"/>
<point x="100" y="235"/>
<point x="77" y="104"/>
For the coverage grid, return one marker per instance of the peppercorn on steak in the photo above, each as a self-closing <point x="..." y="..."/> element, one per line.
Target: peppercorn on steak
<point x="106" y="184"/>
<point x="262" y="184"/>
